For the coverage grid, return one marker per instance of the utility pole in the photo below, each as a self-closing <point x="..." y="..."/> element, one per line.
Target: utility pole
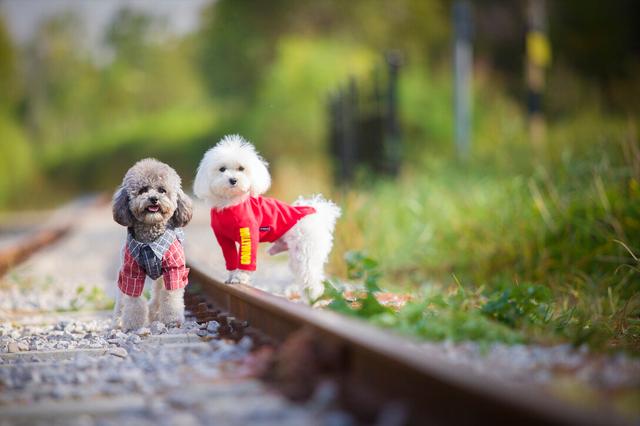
<point x="538" y="58"/>
<point x="463" y="68"/>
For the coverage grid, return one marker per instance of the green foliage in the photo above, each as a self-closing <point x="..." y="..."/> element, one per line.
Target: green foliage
<point x="306" y="69"/>
<point x="564" y="228"/>
<point x="78" y="115"/>
<point x="432" y="315"/>
<point x="523" y="303"/>
<point x="91" y="298"/>
<point x="8" y="68"/>
<point x="16" y="162"/>
<point x="362" y="268"/>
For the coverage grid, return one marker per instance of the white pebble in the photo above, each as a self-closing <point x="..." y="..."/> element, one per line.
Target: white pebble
<point x="158" y="328"/>
<point x="212" y="326"/>
<point x="144" y="331"/>
<point x="119" y="352"/>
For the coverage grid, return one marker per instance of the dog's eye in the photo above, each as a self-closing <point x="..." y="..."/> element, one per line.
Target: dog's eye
<point x="143" y="190"/>
<point x="222" y="169"/>
<point x="241" y="168"/>
<point x="162" y="190"/>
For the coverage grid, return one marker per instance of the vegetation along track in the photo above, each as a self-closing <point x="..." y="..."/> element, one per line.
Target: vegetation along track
<point x="371" y="367"/>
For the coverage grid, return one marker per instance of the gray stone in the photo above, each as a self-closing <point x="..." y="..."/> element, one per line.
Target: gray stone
<point x="144" y="331"/>
<point x="119" y="352"/>
<point x="213" y="326"/>
<point x="13" y="347"/>
<point x="158" y="328"/>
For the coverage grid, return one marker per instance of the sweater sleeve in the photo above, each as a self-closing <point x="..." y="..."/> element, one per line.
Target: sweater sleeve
<point x="229" y="251"/>
<point x="249" y="240"/>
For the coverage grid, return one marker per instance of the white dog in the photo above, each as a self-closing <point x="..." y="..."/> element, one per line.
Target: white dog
<point x="231" y="177"/>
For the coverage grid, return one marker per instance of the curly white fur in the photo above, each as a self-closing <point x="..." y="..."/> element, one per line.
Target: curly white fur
<point x="166" y="306"/>
<point x="131" y="312"/>
<point x="309" y="241"/>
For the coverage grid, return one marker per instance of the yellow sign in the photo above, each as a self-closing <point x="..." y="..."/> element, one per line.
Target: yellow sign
<point x="245" y="246"/>
<point x="538" y="49"/>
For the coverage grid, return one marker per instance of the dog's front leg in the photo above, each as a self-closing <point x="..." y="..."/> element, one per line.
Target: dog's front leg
<point x="117" y="311"/>
<point x="239" y="276"/>
<point x="154" y="304"/>
<point x="134" y="312"/>
<point x="171" y="307"/>
<point x="231" y="279"/>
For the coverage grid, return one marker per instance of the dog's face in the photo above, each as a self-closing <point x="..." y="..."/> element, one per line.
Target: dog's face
<point x="153" y="200"/>
<point x="229" y="178"/>
<point x="230" y="171"/>
<point x="151" y="194"/>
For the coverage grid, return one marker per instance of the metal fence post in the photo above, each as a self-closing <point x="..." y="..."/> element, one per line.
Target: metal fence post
<point x="391" y="149"/>
<point x="463" y="65"/>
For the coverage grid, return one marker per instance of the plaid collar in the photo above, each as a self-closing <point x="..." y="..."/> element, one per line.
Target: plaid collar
<point x="149" y="255"/>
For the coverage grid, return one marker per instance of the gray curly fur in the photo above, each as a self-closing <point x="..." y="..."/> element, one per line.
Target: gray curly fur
<point x="144" y="181"/>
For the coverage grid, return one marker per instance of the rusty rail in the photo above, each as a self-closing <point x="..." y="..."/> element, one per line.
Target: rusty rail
<point x="47" y="234"/>
<point x="19" y="252"/>
<point x="373" y="367"/>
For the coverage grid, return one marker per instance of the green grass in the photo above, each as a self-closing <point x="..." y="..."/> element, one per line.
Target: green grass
<point x="433" y="314"/>
<point x="549" y="249"/>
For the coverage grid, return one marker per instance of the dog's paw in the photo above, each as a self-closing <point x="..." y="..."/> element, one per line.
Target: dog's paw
<point x="135" y="313"/>
<point x="239" y="277"/>
<point x="232" y="279"/>
<point x="244" y="277"/>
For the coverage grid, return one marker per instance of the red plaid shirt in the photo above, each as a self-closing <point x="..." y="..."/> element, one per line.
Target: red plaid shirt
<point x="173" y="270"/>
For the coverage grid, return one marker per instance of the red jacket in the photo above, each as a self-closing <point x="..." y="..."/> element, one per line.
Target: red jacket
<point x="253" y="221"/>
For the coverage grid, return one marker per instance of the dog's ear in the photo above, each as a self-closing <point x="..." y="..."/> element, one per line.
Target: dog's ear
<point x="121" y="212"/>
<point x="260" y="177"/>
<point x="184" y="210"/>
<point x="201" y="182"/>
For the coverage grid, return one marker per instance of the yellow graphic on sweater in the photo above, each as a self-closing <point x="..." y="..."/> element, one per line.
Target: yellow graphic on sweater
<point x="245" y="246"/>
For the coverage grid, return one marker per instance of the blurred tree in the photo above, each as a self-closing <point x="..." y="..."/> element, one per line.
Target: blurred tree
<point x="9" y="84"/>
<point x="238" y="40"/>
<point x="129" y="36"/>
<point x="240" y="37"/>
<point x="61" y="81"/>
<point x="150" y="69"/>
<point x="16" y="162"/>
<point x="600" y="41"/>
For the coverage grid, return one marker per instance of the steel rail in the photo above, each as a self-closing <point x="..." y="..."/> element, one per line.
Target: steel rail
<point x="21" y="250"/>
<point x="391" y="368"/>
<point x="43" y="236"/>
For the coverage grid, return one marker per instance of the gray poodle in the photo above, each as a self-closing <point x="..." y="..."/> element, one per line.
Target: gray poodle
<point x="151" y="204"/>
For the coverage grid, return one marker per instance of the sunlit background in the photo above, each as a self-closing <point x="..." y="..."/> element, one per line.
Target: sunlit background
<point x="535" y="213"/>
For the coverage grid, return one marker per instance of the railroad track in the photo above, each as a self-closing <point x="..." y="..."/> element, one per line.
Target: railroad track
<point x="376" y="375"/>
<point x="37" y="235"/>
<point x="375" y="371"/>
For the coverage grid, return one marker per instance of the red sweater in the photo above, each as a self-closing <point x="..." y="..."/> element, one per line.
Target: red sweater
<point x="255" y="220"/>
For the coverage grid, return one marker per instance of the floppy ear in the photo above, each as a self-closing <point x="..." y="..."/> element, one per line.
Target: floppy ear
<point x="121" y="212"/>
<point x="201" y="182"/>
<point x="183" y="212"/>
<point x="260" y="177"/>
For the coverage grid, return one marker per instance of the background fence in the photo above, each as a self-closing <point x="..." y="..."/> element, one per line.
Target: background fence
<point x="364" y="128"/>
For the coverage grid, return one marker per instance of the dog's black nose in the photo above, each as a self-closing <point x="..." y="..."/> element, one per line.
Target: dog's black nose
<point x="154" y="200"/>
<point x="233" y="181"/>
